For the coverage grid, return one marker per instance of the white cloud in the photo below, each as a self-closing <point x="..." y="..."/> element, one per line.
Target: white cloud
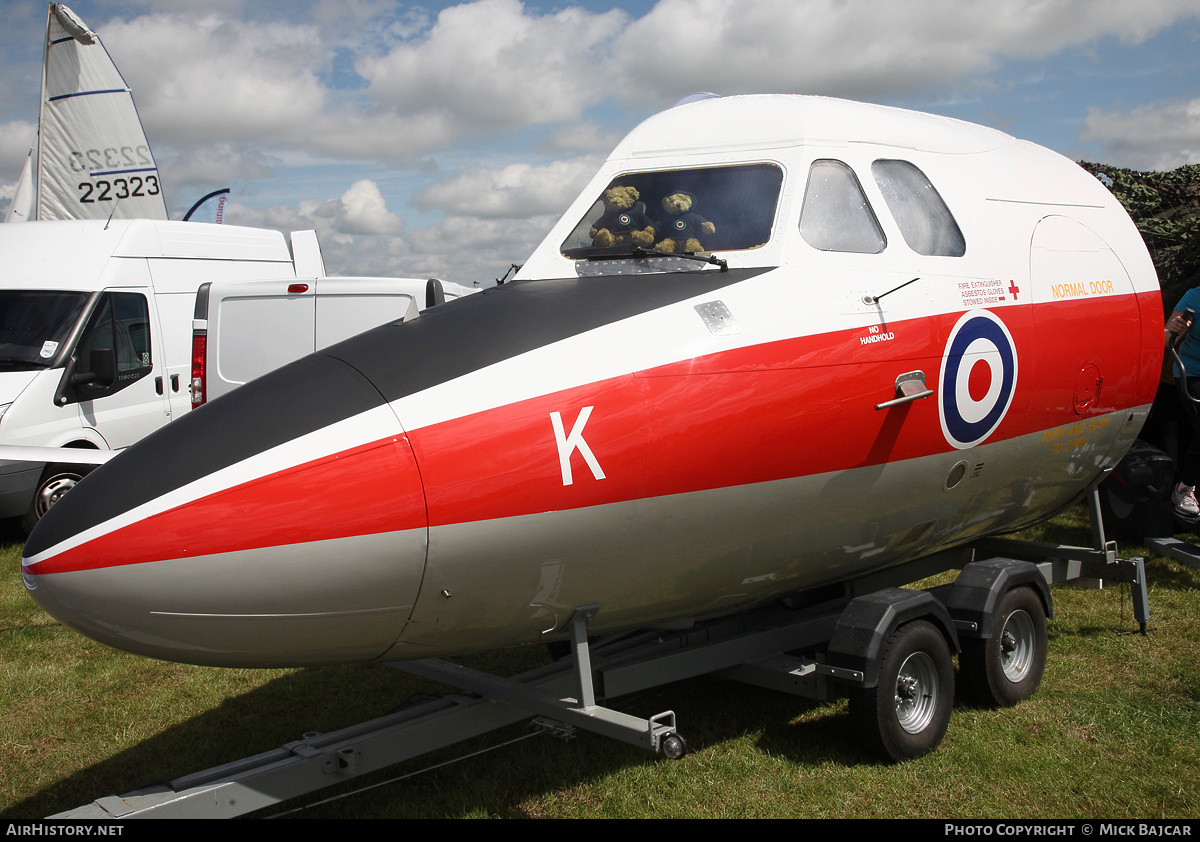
<point x="492" y="65"/>
<point x="867" y="49"/>
<point x="367" y="25"/>
<point x="498" y="66"/>
<point x="585" y="136"/>
<point x="469" y="249"/>
<point x="461" y="249"/>
<point x="16" y="139"/>
<point x="359" y="212"/>
<point x="380" y="257"/>
<point x="223" y="80"/>
<point x="514" y="191"/>
<point x="228" y="96"/>
<point x="1158" y="136"/>
<point x="364" y="211"/>
<point x="216" y="165"/>
<point x="481" y="67"/>
<point x="466" y="251"/>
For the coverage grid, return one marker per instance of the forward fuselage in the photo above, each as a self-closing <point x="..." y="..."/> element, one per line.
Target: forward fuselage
<point x="660" y="437"/>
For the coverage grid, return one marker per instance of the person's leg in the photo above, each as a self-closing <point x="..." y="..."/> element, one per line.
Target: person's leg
<point x="1184" y="496"/>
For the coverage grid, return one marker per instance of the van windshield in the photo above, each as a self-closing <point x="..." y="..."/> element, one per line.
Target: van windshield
<point x="35" y="324"/>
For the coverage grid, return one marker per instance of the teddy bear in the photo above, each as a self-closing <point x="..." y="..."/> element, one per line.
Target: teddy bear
<point x="624" y="220"/>
<point x="682" y="227"/>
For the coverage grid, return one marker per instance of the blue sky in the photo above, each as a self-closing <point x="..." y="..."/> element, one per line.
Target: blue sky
<point x="444" y="139"/>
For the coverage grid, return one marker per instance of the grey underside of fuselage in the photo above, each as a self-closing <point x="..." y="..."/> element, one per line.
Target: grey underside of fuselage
<point x="673" y="558"/>
<point x="510" y="581"/>
<point x="340" y="600"/>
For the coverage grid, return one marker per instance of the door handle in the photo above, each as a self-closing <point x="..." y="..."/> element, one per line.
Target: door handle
<point x="910" y="387"/>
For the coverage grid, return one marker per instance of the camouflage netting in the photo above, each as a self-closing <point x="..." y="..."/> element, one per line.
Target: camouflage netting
<point x="1165" y="206"/>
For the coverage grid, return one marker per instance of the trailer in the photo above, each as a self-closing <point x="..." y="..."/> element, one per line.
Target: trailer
<point x="885" y="646"/>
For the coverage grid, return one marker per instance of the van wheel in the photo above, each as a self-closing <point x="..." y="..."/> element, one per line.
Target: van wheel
<point x="56" y="481"/>
<point x="1007" y="667"/>
<point x="905" y="715"/>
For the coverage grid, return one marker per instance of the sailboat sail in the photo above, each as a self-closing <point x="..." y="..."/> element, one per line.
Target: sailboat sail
<point x="93" y="158"/>
<point x="21" y="207"/>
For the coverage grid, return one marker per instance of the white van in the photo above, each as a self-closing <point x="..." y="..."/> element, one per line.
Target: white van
<point x="242" y="330"/>
<point x="95" y="332"/>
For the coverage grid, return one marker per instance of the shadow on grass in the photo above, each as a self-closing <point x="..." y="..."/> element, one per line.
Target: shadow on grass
<point x="10" y="531"/>
<point x="710" y="711"/>
<point x="713" y="711"/>
<point x="1168" y="574"/>
<point x="260" y="720"/>
<point x="501" y="783"/>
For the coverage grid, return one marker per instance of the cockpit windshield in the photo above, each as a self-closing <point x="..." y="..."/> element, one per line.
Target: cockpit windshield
<point x="702" y="210"/>
<point x="34" y="325"/>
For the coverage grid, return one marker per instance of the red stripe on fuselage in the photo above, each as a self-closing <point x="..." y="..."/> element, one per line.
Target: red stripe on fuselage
<point x="795" y="407"/>
<point x="366" y="490"/>
<point x="792" y="408"/>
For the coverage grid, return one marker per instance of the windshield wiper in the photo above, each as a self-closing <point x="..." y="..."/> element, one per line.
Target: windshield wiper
<point x="638" y="251"/>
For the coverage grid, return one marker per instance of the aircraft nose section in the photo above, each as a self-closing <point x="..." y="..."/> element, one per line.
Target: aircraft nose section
<point x="282" y="525"/>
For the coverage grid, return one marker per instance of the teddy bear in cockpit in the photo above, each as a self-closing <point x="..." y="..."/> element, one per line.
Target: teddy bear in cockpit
<point x="624" y="221"/>
<point x="682" y="227"/>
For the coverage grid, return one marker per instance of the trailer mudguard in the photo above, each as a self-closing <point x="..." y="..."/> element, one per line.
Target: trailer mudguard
<point x="979" y="588"/>
<point x="868" y="621"/>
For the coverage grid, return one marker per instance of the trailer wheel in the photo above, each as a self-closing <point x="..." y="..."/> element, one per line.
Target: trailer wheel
<point x="56" y="481"/>
<point x="1007" y="667"/>
<point x="674" y="746"/>
<point x="905" y="715"/>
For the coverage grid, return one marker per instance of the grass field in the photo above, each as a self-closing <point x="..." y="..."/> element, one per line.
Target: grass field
<point x="1113" y="731"/>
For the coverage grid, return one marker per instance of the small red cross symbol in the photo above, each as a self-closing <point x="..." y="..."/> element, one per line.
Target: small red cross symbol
<point x="1014" y="289"/>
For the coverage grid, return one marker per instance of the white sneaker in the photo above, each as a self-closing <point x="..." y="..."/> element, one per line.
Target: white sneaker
<point x="1185" y="502"/>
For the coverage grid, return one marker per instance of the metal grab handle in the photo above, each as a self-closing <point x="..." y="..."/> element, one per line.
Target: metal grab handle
<point x="910" y="387"/>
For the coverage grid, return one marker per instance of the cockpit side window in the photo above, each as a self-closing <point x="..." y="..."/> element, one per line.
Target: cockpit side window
<point x="709" y="209"/>
<point x="836" y="215"/>
<point x="926" y="223"/>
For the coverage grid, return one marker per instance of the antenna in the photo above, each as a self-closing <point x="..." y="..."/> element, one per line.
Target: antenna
<point x="114" y="210"/>
<point x="874" y="299"/>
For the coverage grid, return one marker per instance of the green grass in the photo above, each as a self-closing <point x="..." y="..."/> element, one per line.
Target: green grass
<point x="1113" y="731"/>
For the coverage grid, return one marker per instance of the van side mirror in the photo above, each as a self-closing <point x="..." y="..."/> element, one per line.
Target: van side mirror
<point x="102" y="374"/>
<point x="102" y="369"/>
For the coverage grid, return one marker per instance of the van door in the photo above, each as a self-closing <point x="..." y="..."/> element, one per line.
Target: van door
<point x="173" y="311"/>
<point x="255" y="327"/>
<point x="349" y="306"/>
<point x="130" y="402"/>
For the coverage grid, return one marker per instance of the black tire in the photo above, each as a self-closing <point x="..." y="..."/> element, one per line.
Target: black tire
<point x="1007" y="667"/>
<point x="56" y="481"/>
<point x="1150" y="517"/>
<point x="674" y="746"/>
<point x="1115" y="513"/>
<point x="906" y="713"/>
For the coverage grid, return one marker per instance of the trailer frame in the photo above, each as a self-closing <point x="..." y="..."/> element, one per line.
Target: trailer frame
<point x="758" y="647"/>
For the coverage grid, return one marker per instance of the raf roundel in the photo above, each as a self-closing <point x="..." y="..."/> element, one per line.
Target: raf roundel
<point x="978" y="379"/>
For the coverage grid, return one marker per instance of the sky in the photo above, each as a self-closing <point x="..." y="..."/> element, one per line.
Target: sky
<point x="444" y="139"/>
